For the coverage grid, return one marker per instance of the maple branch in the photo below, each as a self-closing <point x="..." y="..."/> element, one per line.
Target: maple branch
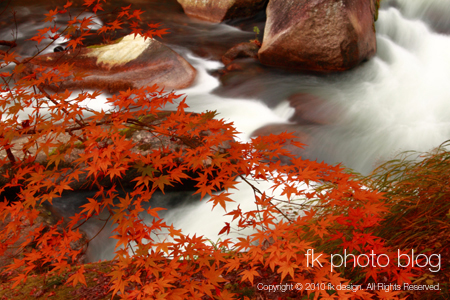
<point x="100" y="230"/>
<point x="10" y="91"/>
<point x="131" y="247"/>
<point x="4" y="53"/>
<point x="147" y="126"/>
<point x="137" y="122"/>
<point x="10" y="44"/>
<point x="6" y="6"/>
<point x="302" y="205"/>
<point x="256" y="190"/>
<point x="9" y="153"/>
<point x="81" y="124"/>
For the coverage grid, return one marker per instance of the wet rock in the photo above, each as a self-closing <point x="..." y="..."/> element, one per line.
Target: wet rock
<point x="243" y="77"/>
<point x="312" y="110"/>
<point x="220" y="10"/>
<point x="242" y="50"/>
<point x="59" y="49"/>
<point x="129" y="63"/>
<point x="319" y="35"/>
<point x="298" y="131"/>
<point x="234" y="67"/>
<point x="145" y="141"/>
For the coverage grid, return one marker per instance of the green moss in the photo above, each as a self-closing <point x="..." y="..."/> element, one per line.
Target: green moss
<point x="55" y="281"/>
<point x="128" y="133"/>
<point x="377" y="7"/>
<point x="61" y="149"/>
<point x="79" y="145"/>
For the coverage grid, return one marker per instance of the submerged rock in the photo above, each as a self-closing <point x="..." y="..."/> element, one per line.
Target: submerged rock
<point x="312" y="110"/>
<point x="220" y="10"/>
<point x="242" y="50"/>
<point x="319" y="35"/>
<point x="130" y="63"/>
<point x="298" y="131"/>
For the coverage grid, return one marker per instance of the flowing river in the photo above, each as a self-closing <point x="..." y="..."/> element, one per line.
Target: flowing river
<point x="397" y="101"/>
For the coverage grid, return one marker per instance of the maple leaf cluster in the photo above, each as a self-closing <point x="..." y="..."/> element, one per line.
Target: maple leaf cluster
<point x="336" y="211"/>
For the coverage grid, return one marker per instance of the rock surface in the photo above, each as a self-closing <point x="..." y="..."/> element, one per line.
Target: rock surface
<point x="130" y="63"/>
<point x="242" y="50"/>
<point x="319" y="35"/>
<point x="144" y="141"/>
<point x="312" y="110"/>
<point x="220" y="10"/>
<point x="244" y="77"/>
<point x="296" y="130"/>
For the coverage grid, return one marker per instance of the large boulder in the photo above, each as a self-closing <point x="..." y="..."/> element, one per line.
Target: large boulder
<point x="220" y="10"/>
<point x="131" y="62"/>
<point x="319" y="35"/>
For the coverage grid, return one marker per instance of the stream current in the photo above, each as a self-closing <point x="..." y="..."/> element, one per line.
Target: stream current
<point x="396" y="101"/>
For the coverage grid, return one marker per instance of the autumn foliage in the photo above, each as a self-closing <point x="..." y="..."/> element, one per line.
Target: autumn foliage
<point x="310" y="206"/>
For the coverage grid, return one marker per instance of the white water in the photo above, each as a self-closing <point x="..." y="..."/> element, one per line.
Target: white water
<point x="396" y="101"/>
<point x="246" y="114"/>
<point x="433" y="12"/>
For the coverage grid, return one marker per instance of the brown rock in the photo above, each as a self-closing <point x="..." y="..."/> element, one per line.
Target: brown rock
<point x="145" y="141"/>
<point x="319" y="35"/>
<point x="242" y="50"/>
<point x="235" y="81"/>
<point x="296" y="130"/>
<point x="234" y="67"/>
<point x="129" y="63"/>
<point x="217" y="11"/>
<point x="311" y="110"/>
